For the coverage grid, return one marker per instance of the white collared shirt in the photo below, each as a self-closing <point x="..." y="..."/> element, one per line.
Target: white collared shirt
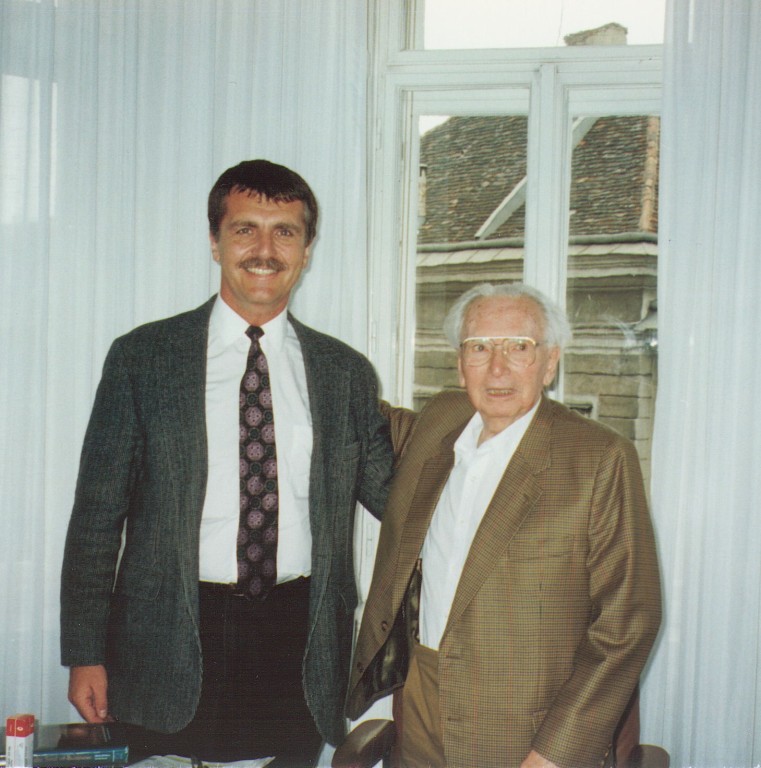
<point x="227" y="351"/>
<point x="471" y="484"/>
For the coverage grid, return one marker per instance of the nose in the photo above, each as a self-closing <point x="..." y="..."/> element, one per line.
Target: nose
<point x="498" y="362"/>
<point x="264" y="244"/>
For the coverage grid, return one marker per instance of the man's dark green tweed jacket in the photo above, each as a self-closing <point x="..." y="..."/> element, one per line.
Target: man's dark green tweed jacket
<point x="145" y="459"/>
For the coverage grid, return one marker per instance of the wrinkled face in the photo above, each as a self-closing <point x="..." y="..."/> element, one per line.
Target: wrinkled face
<point x="262" y="250"/>
<point x="500" y="391"/>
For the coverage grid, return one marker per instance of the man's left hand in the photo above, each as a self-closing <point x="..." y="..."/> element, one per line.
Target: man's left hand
<point x="535" y="760"/>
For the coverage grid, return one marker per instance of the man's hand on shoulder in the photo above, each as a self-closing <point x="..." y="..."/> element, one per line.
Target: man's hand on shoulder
<point x="535" y="760"/>
<point x="87" y="692"/>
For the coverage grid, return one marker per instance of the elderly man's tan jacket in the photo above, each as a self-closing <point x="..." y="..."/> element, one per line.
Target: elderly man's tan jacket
<point x="558" y="603"/>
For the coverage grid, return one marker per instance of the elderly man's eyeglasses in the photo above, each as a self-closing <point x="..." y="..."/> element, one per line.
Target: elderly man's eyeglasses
<point x="518" y="350"/>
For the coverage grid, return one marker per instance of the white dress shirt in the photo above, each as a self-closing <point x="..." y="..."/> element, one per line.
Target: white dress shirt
<point x="227" y="351"/>
<point x="475" y="475"/>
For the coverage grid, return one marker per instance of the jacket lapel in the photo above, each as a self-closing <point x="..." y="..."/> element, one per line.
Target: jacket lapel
<point x="181" y="386"/>
<point x="431" y="481"/>
<point x="327" y="385"/>
<point x="515" y="497"/>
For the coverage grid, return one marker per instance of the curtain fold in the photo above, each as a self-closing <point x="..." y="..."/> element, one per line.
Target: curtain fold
<point x="702" y="693"/>
<point x="116" y="117"/>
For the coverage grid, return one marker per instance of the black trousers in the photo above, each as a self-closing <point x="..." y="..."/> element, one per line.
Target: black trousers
<point x="252" y="698"/>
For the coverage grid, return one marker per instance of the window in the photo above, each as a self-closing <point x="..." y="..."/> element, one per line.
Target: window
<point x="471" y="228"/>
<point x="611" y="273"/>
<point x="538" y="23"/>
<point x="502" y="165"/>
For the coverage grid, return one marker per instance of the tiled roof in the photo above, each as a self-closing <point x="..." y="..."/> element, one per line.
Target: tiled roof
<point x="473" y="163"/>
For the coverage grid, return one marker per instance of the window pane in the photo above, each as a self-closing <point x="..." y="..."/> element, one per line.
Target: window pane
<point x="611" y="365"/>
<point x="471" y="230"/>
<point x="538" y="23"/>
<point x="471" y="227"/>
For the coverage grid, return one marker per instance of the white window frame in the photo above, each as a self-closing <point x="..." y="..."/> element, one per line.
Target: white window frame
<point x="552" y="85"/>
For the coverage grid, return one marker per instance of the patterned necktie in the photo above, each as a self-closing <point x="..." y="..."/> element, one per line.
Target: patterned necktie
<point x="257" y="532"/>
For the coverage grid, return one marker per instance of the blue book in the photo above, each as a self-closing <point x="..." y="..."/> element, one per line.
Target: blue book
<point x="80" y="745"/>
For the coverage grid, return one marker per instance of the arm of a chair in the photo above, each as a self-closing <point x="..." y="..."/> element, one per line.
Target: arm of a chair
<point x="366" y="745"/>
<point x="648" y="756"/>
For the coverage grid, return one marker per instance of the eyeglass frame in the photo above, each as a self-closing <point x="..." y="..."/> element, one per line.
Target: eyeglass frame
<point x="493" y="339"/>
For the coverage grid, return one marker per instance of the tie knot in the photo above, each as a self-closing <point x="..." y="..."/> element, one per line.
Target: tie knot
<point x="254" y="332"/>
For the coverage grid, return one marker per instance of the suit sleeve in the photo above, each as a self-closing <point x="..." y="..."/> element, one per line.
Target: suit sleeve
<point x="625" y="597"/>
<point x="110" y="455"/>
<point x="376" y="470"/>
<point x="401" y="422"/>
<point x="388" y="440"/>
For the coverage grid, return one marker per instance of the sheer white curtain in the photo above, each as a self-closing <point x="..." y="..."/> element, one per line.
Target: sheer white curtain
<point x="702" y="695"/>
<point x="116" y="116"/>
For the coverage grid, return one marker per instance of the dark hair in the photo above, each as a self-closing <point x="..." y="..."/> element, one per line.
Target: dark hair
<point x="261" y="177"/>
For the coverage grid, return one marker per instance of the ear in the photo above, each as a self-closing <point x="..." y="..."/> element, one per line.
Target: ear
<point x="553" y="360"/>
<point x="214" y="247"/>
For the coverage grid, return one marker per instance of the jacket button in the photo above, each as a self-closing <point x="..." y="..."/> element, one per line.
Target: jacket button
<point x="384" y="626"/>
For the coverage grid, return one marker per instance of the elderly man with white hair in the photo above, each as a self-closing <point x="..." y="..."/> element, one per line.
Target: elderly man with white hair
<point x="516" y="590"/>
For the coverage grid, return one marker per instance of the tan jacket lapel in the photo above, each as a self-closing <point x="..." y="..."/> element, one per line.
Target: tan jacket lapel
<point x="432" y="479"/>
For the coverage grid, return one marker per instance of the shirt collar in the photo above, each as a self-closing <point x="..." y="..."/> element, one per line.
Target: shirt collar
<point x="227" y="327"/>
<point x="507" y="439"/>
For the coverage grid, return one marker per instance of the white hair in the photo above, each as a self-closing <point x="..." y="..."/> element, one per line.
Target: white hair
<point x="557" y="329"/>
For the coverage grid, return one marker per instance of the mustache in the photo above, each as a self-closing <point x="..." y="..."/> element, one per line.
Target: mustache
<point x="257" y="263"/>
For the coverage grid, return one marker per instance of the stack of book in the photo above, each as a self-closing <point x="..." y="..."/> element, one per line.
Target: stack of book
<point x="78" y="745"/>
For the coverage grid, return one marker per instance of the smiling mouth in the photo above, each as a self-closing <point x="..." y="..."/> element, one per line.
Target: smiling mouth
<point x="262" y="267"/>
<point x="498" y="392"/>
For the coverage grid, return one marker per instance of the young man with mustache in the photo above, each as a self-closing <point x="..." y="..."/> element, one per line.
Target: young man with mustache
<point x="234" y="442"/>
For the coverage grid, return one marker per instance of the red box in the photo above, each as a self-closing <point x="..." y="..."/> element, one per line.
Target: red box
<point x="19" y="741"/>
